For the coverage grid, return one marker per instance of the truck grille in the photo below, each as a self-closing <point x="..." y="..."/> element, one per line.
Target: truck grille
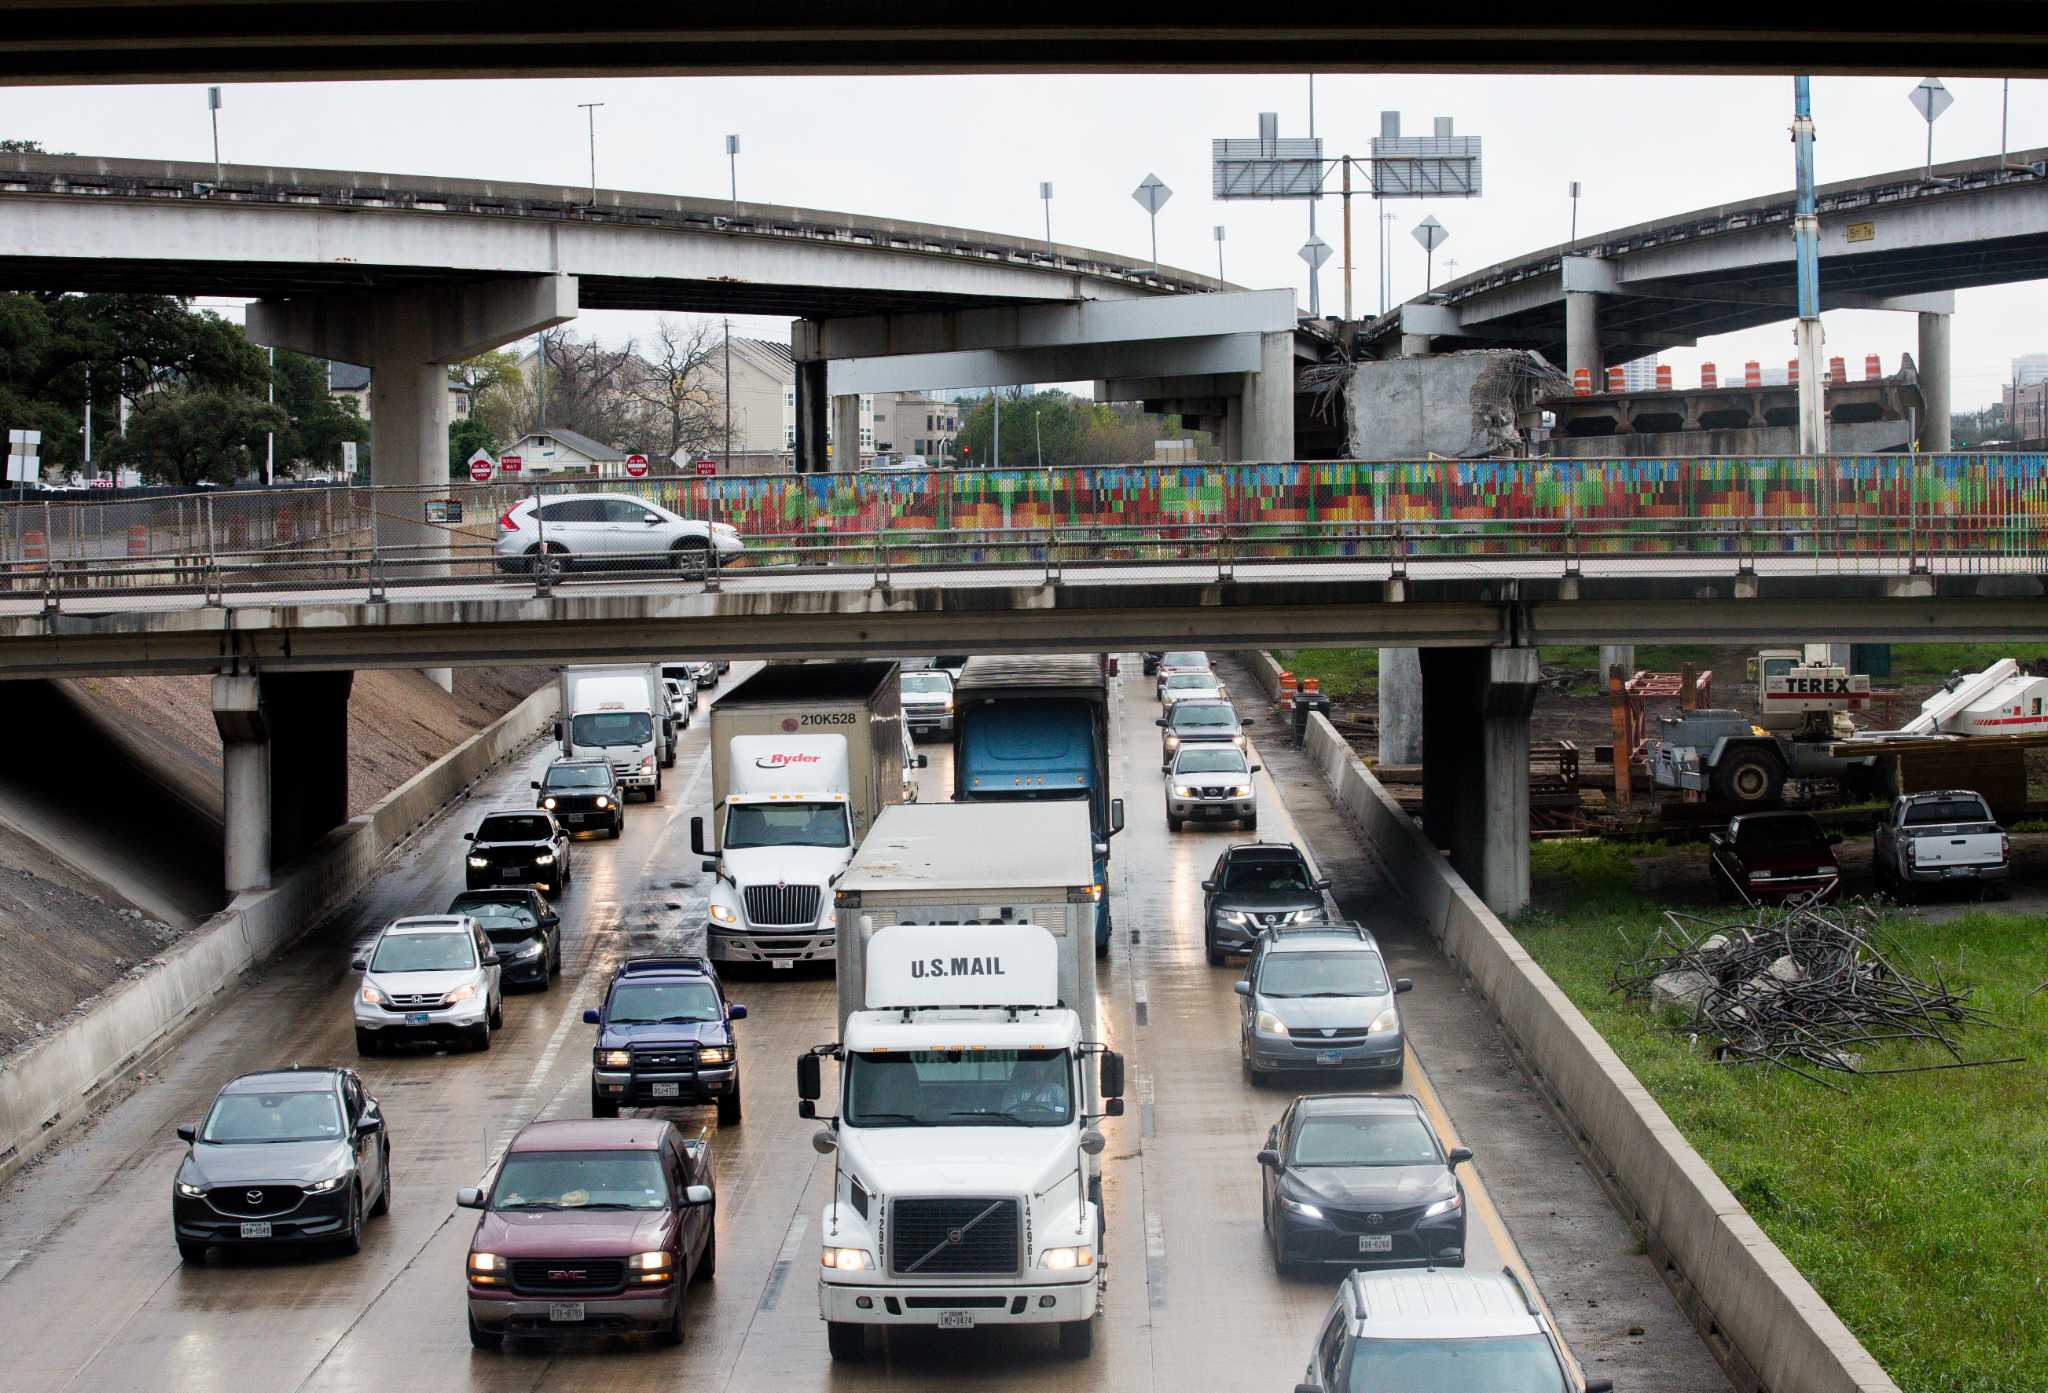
<point x="785" y="906"/>
<point x="669" y="1057"/>
<point x="954" y="1237"/>
<point x="568" y="1276"/>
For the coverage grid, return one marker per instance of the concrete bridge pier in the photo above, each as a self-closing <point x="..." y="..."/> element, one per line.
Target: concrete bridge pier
<point x="284" y="767"/>
<point x="1475" y="765"/>
<point x="813" y="413"/>
<point x="846" y="435"/>
<point x="1400" y="705"/>
<point x="1582" y="337"/>
<point x="1933" y="363"/>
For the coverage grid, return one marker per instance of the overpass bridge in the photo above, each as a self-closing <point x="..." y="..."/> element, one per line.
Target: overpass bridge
<point x="282" y="595"/>
<point x="1901" y="241"/>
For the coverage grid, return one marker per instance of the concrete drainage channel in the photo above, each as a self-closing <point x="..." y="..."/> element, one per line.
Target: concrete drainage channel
<point x="1760" y="1317"/>
<point x="52" y="1084"/>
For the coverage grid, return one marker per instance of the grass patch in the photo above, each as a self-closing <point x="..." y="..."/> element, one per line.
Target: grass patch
<point x="1938" y="660"/>
<point x="1344" y="672"/>
<point x="1918" y="1204"/>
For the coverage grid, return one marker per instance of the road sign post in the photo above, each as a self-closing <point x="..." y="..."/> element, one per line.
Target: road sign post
<point x="1930" y="99"/>
<point x="1432" y="235"/>
<point x="1151" y="195"/>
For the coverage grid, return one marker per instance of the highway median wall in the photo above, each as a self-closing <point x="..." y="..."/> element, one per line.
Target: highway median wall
<point x="1759" y="1315"/>
<point x="48" y="1086"/>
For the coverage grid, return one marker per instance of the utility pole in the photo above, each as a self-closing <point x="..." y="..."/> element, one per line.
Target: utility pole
<point x="1045" y="196"/>
<point x="269" y="436"/>
<point x="1386" y="264"/>
<point x="1219" y="254"/>
<point x="1315" y="265"/>
<point x="540" y="380"/>
<point x="995" y="406"/>
<point x="732" y="162"/>
<point x="213" y="111"/>
<point x="590" y="109"/>
<point x="728" y="395"/>
<point x="2004" y="116"/>
<point x="1347" y="239"/>
<point x="1037" y="442"/>
<point x="1806" y="252"/>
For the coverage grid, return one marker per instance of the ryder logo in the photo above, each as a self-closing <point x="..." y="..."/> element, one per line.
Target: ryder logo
<point x="780" y="760"/>
<point x="990" y="966"/>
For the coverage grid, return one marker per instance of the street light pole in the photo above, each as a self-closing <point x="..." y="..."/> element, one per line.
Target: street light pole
<point x="1219" y="254"/>
<point x="732" y="160"/>
<point x="1045" y="196"/>
<point x="728" y="395"/>
<point x="269" y="437"/>
<point x="590" y="109"/>
<point x="213" y="111"/>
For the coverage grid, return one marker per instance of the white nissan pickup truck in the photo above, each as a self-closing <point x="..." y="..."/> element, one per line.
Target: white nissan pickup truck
<point x="1940" y="838"/>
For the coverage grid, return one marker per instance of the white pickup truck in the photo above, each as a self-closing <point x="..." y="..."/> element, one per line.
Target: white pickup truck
<point x="1940" y="838"/>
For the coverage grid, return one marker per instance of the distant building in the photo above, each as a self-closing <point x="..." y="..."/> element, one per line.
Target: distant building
<point x="911" y="423"/>
<point x="2029" y="369"/>
<point x="1640" y="375"/>
<point x="2026" y="410"/>
<point x="347" y="381"/>
<point x="552" y="450"/>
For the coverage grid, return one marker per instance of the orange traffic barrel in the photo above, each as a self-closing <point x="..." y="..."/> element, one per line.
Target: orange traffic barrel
<point x="1287" y="689"/>
<point x="1873" y="367"/>
<point x="1709" y="375"/>
<point x="138" y="540"/>
<point x="1838" y="371"/>
<point x="1663" y="377"/>
<point x="1311" y="684"/>
<point x="35" y="548"/>
<point x="1752" y="374"/>
<point x="1617" y="380"/>
<point x="1582" y="382"/>
<point x="1792" y="372"/>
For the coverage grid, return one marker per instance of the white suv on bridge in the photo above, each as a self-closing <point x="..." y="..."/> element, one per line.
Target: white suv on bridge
<point x="617" y="530"/>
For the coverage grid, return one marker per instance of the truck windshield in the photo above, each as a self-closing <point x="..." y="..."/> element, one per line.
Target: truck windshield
<point x="960" y="1088"/>
<point x="581" y="1180"/>
<point x="785" y="824"/>
<point x="675" y="1003"/>
<point x="928" y="683"/>
<point x="1939" y="810"/>
<point x="1498" y="1364"/>
<point x="598" y="728"/>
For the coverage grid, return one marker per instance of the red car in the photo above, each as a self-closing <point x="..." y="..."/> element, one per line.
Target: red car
<point x="1768" y="858"/>
<point x="591" y="1228"/>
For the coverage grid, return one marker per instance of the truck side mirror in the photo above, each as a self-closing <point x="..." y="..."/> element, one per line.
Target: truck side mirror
<point x="469" y="1197"/>
<point x="736" y="1012"/>
<point x="1116" y="816"/>
<point x="534" y="784"/>
<point x="590" y="1016"/>
<point x="1112" y="1107"/>
<point x="1403" y="984"/>
<point x="694" y="1195"/>
<point x="1160" y="722"/>
<point x="924" y="761"/>
<point x="708" y="866"/>
<point x="558" y="732"/>
<point x="810" y="1083"/>
<point x="1112" y="1074"/>
<point x="697" y="836"/>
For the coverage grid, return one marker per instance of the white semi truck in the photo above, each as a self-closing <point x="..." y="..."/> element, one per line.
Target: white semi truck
<point x="803" y="756"/>
<point x="966" y="1189"/>
<point x="612" y="713"/>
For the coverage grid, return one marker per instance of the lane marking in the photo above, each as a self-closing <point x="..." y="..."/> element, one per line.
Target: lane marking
<point x="1147" y="1118"/>
<point x="1155" y="1260"/>
<point x="792" y="1245"/>
<point x="1140" y="1002"/>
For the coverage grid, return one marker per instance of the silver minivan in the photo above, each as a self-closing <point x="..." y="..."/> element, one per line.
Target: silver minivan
<point x="1318" y="997"/>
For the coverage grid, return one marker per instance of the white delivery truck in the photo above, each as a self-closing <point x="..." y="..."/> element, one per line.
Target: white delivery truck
<point x="609" y="713"/>
<point x="803" y="755"/>
<point x="657" y="701"/>
<point x="966" y="1189"/>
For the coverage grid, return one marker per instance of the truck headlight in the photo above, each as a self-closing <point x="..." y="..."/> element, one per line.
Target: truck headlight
<point x="723" y="915"/>
<point x="193" y="1192"/>
<point x="1266" y="1023"/>
<point x="1066" y="1259"/>
<point x="478" y="863"/>
<point x="652" y="1267"/>
<point x="614" y="1059"/>
<point x="546" y="858"/>
<point x="1385" y="1023"/>
<point x="603" y="801"/>
<point x="846" y="1259"/>
<point x="831" y="919"/>
<point x="715" y="1054"/>
<point x="1183" y="791"/>
<point x="1172" y="742"/>
<point x="486" y="1269"/>
<point x="1241" y="791"/>
<point x="548" y="803"/>
<point x="1445" y="1206"/>
<point x="647" y="765"/>
<point x="1238" y="740"/>
<point x="332" y="1183"/>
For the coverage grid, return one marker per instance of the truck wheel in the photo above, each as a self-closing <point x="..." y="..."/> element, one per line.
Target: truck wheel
<point x="603" y="1107"/>
<point x="1749" y="776"/>
<point x="1251" y="824"/>
<point x="846" y="1340"/>
<point x="671" y="1333"/>
<point x="707" y="1262"/>
<point x="480" y="1338"/>
<point x="729" y="1109"/>
<point x="1077" y="1338"/>
<point x="1173" y="824"/>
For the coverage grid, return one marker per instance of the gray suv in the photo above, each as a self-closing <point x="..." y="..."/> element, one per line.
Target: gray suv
<point x="1317" y="997"/>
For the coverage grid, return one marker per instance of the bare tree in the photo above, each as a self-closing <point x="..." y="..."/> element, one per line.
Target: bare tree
<point x="585" y="390"/>
<point x="674" y="383"/>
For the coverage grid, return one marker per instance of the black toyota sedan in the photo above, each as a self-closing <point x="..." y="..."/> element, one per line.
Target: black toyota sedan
<point x="1360" y="1180"/>
<point x="283" y="1157"/>
<point x="1257" y="886"/>
<point x="522" y="926"/>
<point x="519" y="847"/>
<point x="584" y="795"/>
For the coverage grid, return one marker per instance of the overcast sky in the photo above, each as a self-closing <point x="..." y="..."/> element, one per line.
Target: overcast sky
<point x="971" y="151"/>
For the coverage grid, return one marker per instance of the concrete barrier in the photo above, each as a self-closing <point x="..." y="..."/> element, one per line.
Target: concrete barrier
<point x="1758" y="1314"/>
<point x="47" y="1086"/>
<point x="1266" y="672"/>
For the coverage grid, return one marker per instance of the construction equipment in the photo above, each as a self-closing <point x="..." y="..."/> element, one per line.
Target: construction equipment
<point x="1746" y="758"/>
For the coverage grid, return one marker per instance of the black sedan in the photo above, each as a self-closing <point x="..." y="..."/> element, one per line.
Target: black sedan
<point x="524" y="929"/>
<point x="1360" y="1180"/>
<point x="286" y="1156"/>
<point x="519" y="847"/>
<point x="1257" y="886"/>
<point x="584" y="795"/>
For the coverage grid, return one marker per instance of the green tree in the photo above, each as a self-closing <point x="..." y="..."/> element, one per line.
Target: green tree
<point x="319" y="423"/>
<point x="191" y="435"/>
<point x="466" y="435"/>
<point x="1059" y="430"/>
<point x="499" y="394"/>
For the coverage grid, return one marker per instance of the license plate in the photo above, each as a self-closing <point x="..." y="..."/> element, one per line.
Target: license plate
<point x="1375" y="1243"/>
<point x="514" y="874"/>
<point x="956" y="1320"/>
<point x="416" y="1018"/>
<point x="1329" y="1057"/>
<point x="255" y="1230"/>
<point x="565" y="1310"/>
<point x="783" y="963"/>
<point x="667" y="1090"/>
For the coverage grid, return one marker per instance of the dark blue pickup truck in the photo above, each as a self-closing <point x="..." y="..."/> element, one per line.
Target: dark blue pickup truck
<point x="665" y="1039"/>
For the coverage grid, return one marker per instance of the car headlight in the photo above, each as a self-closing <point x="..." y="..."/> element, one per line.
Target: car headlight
<point x="724" y="915"/>
<point x="1241" y="790"/>
<point x="478" y="863"/>
<point x="548" y="803"/>
<point x="1445" y="1206"/>
<point x="1267" y="1023"/>
<point x="321" y="1187"/>
<point x="1183" y="791"/>
<point x="1385" y="1023"/>
<point x="716" y="1054"/>
<point x="546" y="858"/>
<point x="1172" y="742"/>
<point x="615" y="1059"/>
<point x="196" y="1192"/>
<point x="371" y="996"/>
<point x="647" y="765"/>
<point x="846" y="1259"/>
<point x="1306" y="1211"/>
<point x="531" y="950"/>
<point x="461" y="993"/>
<point x="603" y="801"/>
<point x="1237" y="740"/>
<point x="1067" y="1259"/>
<point x="652" y="1267"/>
<point x="1237" y="917"/>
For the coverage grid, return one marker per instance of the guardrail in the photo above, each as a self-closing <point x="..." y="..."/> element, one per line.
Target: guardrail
<point x="1948" y="512"/>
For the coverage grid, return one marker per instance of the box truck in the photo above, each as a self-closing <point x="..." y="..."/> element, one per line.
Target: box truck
<point x="609" y="713"/>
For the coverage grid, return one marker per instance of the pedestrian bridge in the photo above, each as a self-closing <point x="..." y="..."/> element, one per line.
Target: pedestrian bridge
<point x="1425" y="553"/>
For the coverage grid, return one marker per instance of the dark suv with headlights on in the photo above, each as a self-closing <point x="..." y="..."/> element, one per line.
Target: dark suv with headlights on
<point x="584" y="795"/>
<point x="523" y="847"/>
<point x="664" y="1039"/>
<point x="1361" y="1180"/>
<point x="591" y="1228"/>
<point x="1258" y="886"/>
<point x="522" y="927"/>
<point x="1199" y="723"/>
<point x="284" y="1156"/>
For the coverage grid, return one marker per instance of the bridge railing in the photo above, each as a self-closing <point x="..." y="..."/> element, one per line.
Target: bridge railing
<point x="1958" y="511"/>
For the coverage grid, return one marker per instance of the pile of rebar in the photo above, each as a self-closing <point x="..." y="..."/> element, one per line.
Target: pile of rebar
<point x="1811" y="989"/>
